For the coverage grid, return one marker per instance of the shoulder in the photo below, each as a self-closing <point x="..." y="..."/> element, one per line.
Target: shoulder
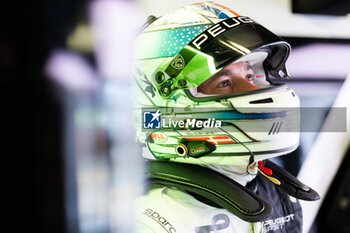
<point x="154" y="211"/>
<point x="287" y="213"/>
<point x="171" y="210"/>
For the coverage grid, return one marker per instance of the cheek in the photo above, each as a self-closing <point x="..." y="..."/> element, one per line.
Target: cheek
<point x="242" y="85"/>
<point x="223" y="90"/>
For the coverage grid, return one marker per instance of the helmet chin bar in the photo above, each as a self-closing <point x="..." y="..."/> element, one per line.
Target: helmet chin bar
<point x="254" y="127"/>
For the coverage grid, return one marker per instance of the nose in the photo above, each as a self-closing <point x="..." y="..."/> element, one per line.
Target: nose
<point x="244" y="82"/>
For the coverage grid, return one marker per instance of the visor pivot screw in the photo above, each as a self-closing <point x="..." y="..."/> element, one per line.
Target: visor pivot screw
<point x="165" y="90"/>
<point x="281" y="73"/>
<point x="169" y="82"/>
<point x="159" y="77"/>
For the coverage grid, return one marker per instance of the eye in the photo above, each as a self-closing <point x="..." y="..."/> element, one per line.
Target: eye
<point x="225" y="83"/>
<point x="249" y="77"/>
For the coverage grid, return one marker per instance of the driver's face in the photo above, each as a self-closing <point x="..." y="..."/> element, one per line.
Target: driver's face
<point x="234" y="78"/>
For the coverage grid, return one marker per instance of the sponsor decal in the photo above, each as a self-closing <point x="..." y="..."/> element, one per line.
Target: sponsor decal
<point x="217" y="29"/>
<point x="197" y="150"/>
<point x="178" y="62"/>
<point x="160" y="220"/>
<point x="159" y="137"/>
<point x="218" y="222"/>
<point x="220" y="11"/>
<point x="277" y="223"/>
<point x="149" y="87"/>
<point x="213" y="139"/>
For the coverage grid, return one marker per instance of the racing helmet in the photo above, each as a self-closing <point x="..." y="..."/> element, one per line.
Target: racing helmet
<point x="176" y="121"/>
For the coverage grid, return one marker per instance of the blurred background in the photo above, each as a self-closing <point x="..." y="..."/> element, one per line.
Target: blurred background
<point x="65" y="84"/>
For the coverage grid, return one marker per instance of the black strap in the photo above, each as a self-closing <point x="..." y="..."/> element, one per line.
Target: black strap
<point x="212" y="185"/>
<point x="290" y="184"/>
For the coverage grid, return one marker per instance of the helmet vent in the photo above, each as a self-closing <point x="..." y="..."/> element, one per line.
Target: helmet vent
<point x="262" y="101"/>
<point x="275" y="128"/>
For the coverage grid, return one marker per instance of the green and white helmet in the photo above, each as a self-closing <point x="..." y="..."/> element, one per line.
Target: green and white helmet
<point x="179" y="51"/>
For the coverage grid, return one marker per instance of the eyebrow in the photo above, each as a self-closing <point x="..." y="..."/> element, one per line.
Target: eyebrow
<point x="224" y="72"/>
<point x="228" y="72"/>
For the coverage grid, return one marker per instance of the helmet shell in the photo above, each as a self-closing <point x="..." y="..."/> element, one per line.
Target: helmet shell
<point x="253" y="125"/>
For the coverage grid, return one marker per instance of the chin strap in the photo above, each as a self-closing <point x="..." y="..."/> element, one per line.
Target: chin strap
<point x="225" y="192"/>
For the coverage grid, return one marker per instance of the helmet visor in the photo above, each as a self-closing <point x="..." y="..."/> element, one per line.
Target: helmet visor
<point x="226" y="43"/>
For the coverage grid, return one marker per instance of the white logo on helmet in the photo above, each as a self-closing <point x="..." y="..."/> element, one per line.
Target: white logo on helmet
<point x="219" y="28"/>
<point x="178" y="62"/>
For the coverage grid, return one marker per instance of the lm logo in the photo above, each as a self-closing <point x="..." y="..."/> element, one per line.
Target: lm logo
<point x="151" y="120"/>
